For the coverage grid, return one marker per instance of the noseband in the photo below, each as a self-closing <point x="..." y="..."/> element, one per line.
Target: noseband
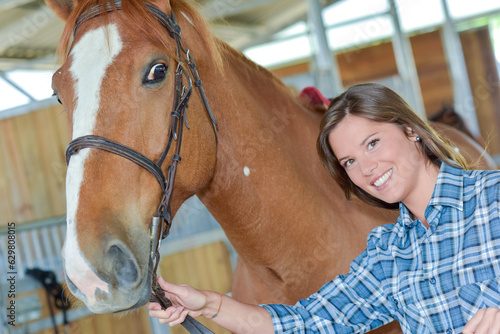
<point x="162" y="221"/>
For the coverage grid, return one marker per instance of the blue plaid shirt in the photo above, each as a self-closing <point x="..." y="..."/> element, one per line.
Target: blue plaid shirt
<point x="432" y="280"/>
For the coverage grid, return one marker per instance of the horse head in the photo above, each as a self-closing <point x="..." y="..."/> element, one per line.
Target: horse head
<point x="119" y="89"/>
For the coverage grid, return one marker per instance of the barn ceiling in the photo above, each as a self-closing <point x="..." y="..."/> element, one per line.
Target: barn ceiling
<point x="29" y="31"/>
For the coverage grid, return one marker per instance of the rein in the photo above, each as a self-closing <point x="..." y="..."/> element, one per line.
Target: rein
<point x="162" y="221"/>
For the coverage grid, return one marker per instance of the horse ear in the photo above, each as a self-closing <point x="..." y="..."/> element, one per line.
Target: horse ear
<point x="62" y="8"/>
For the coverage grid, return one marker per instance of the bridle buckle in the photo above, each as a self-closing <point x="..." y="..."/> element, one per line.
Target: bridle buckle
<point x="157" y="226"/>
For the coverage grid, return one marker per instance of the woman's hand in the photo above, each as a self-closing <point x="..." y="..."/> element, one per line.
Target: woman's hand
<point x="235" y="316"/>
<point x="185" y="300"/>
<point x="485" y="321"/>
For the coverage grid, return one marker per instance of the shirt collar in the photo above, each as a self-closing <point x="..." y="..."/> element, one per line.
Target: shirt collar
<point x="449" y="188"/>
<point x="448" y="191"/>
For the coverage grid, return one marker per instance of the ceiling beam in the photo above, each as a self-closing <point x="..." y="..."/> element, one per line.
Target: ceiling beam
<point x="25" y="27"/>
<point x="217" y="9"/>
<point x="46" y="63"/>
<point x="17" y="87"/>
<point x="233" y="30"/>
<point x="291" y="16"/>
<point x="10" y="4"/>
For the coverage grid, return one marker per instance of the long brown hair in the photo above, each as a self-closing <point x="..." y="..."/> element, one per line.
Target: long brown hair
<point x="380" y="104"/>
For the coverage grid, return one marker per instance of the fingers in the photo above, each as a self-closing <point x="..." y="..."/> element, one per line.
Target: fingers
<point x="153" y="306"/>
<point x="485" y="321"/>
<point x="180" y="319"/>
<point x="496" y="324"/>
<point x="167" y="286"/>
<point x="489" y="322"/>
<point x="474" y="322"/>
<point x="183" y="297"/>
<point x="172" y="315"/>
<point x="172" y="290"/>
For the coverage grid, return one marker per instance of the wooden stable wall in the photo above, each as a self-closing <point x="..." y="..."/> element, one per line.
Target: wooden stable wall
<point x="32" y="166"/>
<point x="206" y="267"/>
<point x="377" y="62"/>
<point x="32" y="187"/>
<point x="485" y="84"/>
<point x="209" y="268"/>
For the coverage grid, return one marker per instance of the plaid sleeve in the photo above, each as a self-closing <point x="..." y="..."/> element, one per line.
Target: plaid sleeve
<point x="352" y="303"/>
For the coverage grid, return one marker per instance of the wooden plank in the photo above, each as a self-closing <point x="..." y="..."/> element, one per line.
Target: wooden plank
<point x="205" y="267"/>
<point x="7" y="213"/>
<point x="290" y="70"/>
<point x="52" y="158"/>
<point x="367" y="64"/>
<point x="378" y="61"/>
<point x="32" y="165"/>
<point x="86" y="325"/>
<point x="103" y="323"/>
<point x="131" y="322"/>
<point x="484" y="80"/>
<point x="202" y="265"/>
<point x="23" y="181"/>
<point x="63" y="133"/>
<point x="29" y="150"/>
<point x="16" y="173"/>
<point x="432" y="69"/>
<point x="216" y="264"/>
<point x="222" y="272"/>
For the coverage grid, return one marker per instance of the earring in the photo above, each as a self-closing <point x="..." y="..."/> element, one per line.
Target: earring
<point x="418" y="139"/>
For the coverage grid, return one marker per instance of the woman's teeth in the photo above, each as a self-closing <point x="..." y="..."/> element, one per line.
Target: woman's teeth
<point x="383" y="178"/>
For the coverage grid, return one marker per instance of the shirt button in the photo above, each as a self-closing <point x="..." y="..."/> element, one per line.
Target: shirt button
<point x="433" y="281"/>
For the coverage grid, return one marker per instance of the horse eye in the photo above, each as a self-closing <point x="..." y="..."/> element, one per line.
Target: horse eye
<point x="57" y="96"/>
<point x="156" y="73"/>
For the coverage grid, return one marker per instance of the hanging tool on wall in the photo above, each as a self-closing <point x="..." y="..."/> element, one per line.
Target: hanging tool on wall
<point x="55" y="294"/>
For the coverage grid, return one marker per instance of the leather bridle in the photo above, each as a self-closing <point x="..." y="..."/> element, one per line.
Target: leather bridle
<point x="162" y="221"/>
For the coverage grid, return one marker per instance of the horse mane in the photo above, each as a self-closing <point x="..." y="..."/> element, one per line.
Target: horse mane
<point x="137" y="15"/>
<point x="231" y="52"/>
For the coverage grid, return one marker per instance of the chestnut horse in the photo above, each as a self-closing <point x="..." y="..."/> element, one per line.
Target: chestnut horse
<point x="262" y="181"/>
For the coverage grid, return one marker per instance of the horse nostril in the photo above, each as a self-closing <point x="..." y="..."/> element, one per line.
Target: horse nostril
<point x="123" y="266"/>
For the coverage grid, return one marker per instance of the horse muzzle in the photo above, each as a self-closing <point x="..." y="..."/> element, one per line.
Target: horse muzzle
<point x="118" y="285"/>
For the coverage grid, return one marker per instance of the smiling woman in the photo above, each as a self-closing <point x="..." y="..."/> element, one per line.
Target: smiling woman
<point x="371" y="107"/>
<point x="383" y="161"/>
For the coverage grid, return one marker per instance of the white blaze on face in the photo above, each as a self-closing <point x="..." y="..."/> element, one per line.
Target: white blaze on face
<point x="91" y="57"/>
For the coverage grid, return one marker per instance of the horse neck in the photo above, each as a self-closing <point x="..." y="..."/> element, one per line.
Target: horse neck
<point x="266" y="163"/>
<point x="286" y="197"/>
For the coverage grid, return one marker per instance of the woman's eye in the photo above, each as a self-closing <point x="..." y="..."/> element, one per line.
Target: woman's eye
<point x="373" y="143"/>
<point x="348" y="162"/>
<point x="157" y="73"/>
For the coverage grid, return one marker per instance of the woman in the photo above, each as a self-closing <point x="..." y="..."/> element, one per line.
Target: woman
<point x="437" y="269"/>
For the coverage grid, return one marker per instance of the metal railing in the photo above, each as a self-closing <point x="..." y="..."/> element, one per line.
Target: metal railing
<point x="38" y="245"/>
